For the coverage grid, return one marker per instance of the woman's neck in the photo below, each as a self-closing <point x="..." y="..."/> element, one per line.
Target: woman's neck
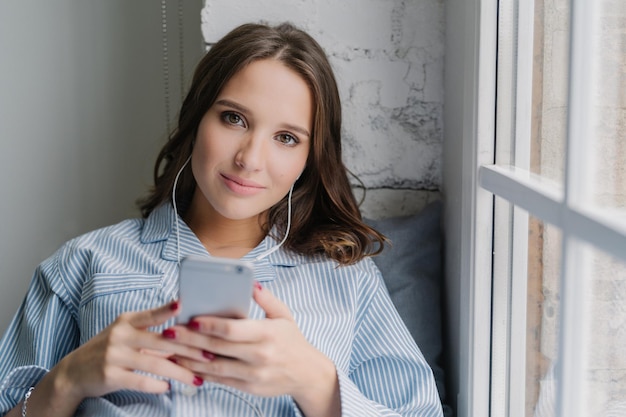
<point x="221" y="236"/>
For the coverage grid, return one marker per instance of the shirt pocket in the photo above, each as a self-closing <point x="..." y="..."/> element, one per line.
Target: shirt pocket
<point x="106" y="296"/>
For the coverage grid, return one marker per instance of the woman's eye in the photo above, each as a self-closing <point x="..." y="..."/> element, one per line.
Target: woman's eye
<point x="287" y="139"/>
<point x="232" y="118"/>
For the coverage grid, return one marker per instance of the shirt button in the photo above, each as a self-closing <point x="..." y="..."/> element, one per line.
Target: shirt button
<point x="189" y="391"/>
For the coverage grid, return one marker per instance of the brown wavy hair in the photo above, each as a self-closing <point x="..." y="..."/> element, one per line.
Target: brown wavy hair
<point x="325" y="215"/>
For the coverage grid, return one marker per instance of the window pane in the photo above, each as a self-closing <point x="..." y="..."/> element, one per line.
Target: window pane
<point x="542" y="317"/>
<point x="550" y="87"/>
<point x="608" y="109"/>
<point x="606" y="350"/>
<point x="606" y="354"/>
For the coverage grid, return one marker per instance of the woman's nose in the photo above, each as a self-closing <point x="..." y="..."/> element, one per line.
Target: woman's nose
<point x="251" y="153"/>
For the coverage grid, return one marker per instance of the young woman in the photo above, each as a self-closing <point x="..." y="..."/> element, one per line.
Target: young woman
<point x="253" y="171"/>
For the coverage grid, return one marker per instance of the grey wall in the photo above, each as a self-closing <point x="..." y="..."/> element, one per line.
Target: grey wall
<point x="81" y="120"/>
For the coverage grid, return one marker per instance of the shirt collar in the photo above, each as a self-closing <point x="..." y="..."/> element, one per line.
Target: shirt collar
<point x="160" y="226"/>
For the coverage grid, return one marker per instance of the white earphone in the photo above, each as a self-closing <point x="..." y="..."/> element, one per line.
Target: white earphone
<point x="258" y="258"/>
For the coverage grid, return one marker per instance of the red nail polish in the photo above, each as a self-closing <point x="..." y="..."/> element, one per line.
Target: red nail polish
<point x="169" y="334"/>
<point x="194" y="325"/>
<point x="258" y="285"/>
<point x="208" y="355"/>
<point x="172" y="359"/>
<point x="197" y="381"/>
<point x="174" y="306"/>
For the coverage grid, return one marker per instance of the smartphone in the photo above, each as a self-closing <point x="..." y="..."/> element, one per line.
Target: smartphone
<point x="214" y="286"/>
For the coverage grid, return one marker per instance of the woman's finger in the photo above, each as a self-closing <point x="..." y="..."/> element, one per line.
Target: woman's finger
<point x="258" y="380"/>
<point x="157" y="353"/>
<point x="125" y="379"/>
<point x="170" y="342"/>
<point x="220" y="367"/>
<point x="153" y="317"/>
<point x="243" y="330"/>
<point x="161" y="367"/>
<point x="200" y="345"/>
<point x="233" y="330"/>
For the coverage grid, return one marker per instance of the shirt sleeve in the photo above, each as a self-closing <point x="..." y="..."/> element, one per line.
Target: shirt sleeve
<point x="388" y="374"/>
<point x="41" y="333"/>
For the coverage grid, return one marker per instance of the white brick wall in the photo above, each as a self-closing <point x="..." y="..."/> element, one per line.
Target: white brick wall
<point x="388" y="58"/>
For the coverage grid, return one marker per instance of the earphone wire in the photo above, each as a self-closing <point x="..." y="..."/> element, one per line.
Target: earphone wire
<point x="176" y="209"/>
<point x="259" y="257"/>
<point x="275" y="248"/>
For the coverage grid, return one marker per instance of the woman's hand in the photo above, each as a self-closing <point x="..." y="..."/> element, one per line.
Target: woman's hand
<point x="263" y="357"/>
<point x="108" y="361"/>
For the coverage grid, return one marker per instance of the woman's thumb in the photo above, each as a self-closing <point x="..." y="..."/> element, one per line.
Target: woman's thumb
<point x="273" y="307"/>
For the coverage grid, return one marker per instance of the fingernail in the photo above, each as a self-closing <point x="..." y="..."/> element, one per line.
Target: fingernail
<point x="169" y="334"/>
<point x="169" y="386"/>
<point x="172" y="359"/>
<point x="174" y="306"/>
<point x="194" y="325"/>
<point x="208" y="355"/>
<point x="197" y="381"/>
<point x="258" y="285"/>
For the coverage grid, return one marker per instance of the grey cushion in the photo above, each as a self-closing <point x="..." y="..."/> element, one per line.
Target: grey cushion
<point x="412" y="270"/>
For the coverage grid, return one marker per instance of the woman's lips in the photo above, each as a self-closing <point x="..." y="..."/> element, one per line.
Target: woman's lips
<point x="241" y="186"/>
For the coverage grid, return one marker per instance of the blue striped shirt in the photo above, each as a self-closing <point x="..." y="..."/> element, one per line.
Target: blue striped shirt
<point x="345" y="312"/>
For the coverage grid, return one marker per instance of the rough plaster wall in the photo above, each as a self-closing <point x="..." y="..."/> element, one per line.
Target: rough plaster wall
<point x="388" y="58"/>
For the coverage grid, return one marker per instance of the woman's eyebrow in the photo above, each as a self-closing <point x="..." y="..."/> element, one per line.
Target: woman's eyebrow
<point x="245" y="110"/>
<point x="298" y="129"/>
<point x="234" y="105"/>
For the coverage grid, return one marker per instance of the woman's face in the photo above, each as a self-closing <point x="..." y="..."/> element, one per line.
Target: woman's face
<point x="253" y="143"/>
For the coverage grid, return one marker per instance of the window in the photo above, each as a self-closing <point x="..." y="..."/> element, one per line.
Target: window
<point x="558" y="180"/>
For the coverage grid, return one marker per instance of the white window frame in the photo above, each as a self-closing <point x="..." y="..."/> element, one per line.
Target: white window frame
<point x="471" y="40"/>
<point x="563" y="207"/>
<point x="485" y="384"/>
